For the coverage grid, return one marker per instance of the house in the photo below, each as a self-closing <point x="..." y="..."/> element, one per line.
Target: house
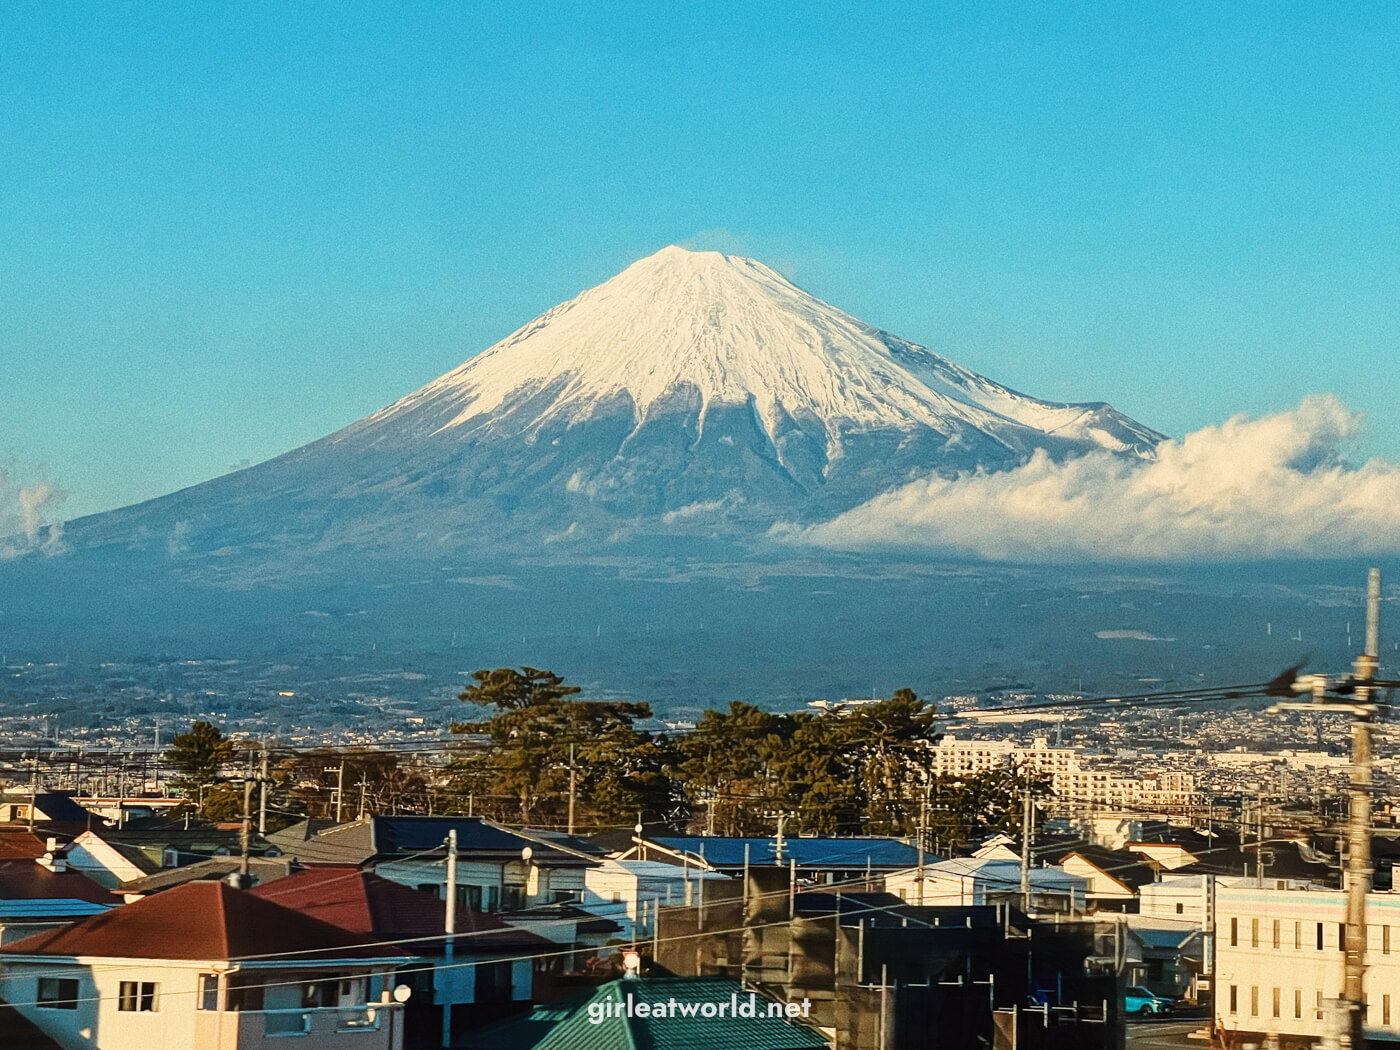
<point x="630" y="891"/>
<point x="204" y="966"/>
<point x="1165" y="955"/>
<point x="324" y="842"/>
<point x="216" y="869"/>
<point x="969" y="881"/>
<point x="38" y="895"/>
<point x="108" y="863"/>
<point x="47" y="807"/>
<point x="498" y="868"/>
<point x="1113" y="877"/>
<point x="491" y="969"/>
<point x="116" y="856"/>
<point x="817" y="860"/>
<point x="659" y="1012"/>
<point x="1278" y="964"/>
<point x="1166" y="855"/>
<point x="1185" y="898"/>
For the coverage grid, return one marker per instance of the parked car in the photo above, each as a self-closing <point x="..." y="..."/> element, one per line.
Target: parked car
<point x="1140" y="1001"/>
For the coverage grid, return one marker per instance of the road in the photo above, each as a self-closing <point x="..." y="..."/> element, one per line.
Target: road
<point x="1164" y="1035"/>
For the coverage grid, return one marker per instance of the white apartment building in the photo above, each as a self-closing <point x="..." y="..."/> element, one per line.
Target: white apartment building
<point x="1279" y="962"/>
<point x="1077" y="787"/>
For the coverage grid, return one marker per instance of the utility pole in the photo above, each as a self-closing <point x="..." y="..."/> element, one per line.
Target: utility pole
<point x="1027" y="833"/>
<point x="33" y="788"/>
<point x="364" y="790"/>
<point x="262" y="793"/>
<point x="1359" y="829"/>
<point x="446" y="977"/>
<point x="573" y="788"/>
<point x="245" y="837"/>
<point x="339" y="772"/>
<point x="1358" y="883"/>
<point x="1259" y="839"/>
<point x="923" y="826"/>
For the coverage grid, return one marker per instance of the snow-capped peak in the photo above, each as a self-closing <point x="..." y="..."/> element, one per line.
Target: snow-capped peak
<point x="733" y="332"/>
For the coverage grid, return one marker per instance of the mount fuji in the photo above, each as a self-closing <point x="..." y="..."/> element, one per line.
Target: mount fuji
<point x="694" y="393"/>
<point x="597" y="494"/>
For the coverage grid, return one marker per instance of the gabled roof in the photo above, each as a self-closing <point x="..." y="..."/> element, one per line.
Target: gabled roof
<point x="833" y="854"/>
<point x="17" y="842"/>
<point x="29" y="880"/>
<point x="1000" y="875"/>
<point x="384" y="910"/>
<point x="351" y="843"/>
<point x="262" y="869"/>
<point x="573" y="842"/>
<point x="487" y="840"/>
<point x="207" y="921"/>
<point x="1123" y="866"/>
<point x="568" y="1026"/>
<point x="54" y="805"/>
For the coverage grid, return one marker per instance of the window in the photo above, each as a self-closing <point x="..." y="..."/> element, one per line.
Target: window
<point x="1385" y="1006"/>
<point x="1298" y="1002"/>
<point x="1385" y="940"/>
<point x="1319" y="936"/>
<point x="208" y="991"/>
<point x="137" y="997"/>
<point x="321" y="992"/>
<point x="1254" y="933"/>
<point x="429" y="887"/>
<point x="58" y="993"/>
<point x="1234" y="931"/>
<point x="1298" y="935"/>
<point x="1276" y="1003"/>
<point x="1341" y="936"/>
<point x="1234" y="999"/>
<point x="1254" y="1001"/>
<point x="1180" y="908"/>
<point x="1278" y="938"/>
<point x="1319" y="1005"/>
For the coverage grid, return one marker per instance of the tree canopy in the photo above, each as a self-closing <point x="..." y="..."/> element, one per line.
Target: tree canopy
<point x="537" y="732"/>
<point x="198" y="758"/>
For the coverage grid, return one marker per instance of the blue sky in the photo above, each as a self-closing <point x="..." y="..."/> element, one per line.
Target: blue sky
<point x="228" y="230"/>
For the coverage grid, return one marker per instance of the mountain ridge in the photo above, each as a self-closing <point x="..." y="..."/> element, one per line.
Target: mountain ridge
<point x="693" y="393"/>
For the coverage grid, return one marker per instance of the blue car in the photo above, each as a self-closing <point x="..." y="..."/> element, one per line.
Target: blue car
<point x="1138" y="1000"/>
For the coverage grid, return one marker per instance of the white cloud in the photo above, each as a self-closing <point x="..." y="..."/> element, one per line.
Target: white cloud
<point x="27" y="518"/>
<point x="1244" y="490"/>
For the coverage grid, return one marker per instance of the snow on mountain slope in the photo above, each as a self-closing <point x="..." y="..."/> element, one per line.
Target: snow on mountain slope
<point x="693" y="392"/>
<point x="737" y="333"/>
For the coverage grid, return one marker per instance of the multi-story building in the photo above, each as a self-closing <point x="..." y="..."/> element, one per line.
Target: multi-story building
<point x="1078" y="787"/>
<point x="1279" y="957"/>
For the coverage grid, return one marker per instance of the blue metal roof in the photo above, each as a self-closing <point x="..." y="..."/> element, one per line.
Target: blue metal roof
<point x="831" y="854"/>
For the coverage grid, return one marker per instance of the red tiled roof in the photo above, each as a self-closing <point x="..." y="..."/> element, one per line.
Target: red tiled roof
<point x="27" y="880"/>
<point x="201" y="920"/>
<point x="370" y="904"/>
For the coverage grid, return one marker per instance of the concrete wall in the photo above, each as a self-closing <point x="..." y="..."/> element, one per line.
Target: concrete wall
<point x="1251" y="921"/>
